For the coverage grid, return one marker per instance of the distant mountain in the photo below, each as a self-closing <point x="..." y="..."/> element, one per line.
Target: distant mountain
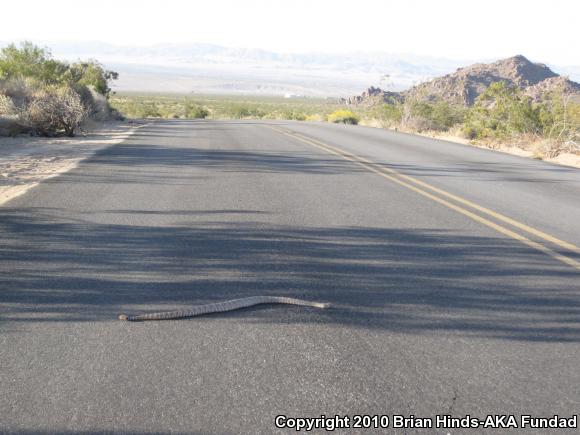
<point x="210" y="68"/>
<point x="466" y="84"/>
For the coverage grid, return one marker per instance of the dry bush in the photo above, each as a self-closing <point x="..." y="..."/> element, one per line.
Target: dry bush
<point x="344" y="116"/>
<point x="550" y="148"/>
<point x="419" y="124"/>
<point x="7" y="108"/>
<point x="41" y="95"/>
<point x="56" y="110"/>
<point x="97" y="104"/>
<point x="20" y="90"/>
<point x="11" y="123"/>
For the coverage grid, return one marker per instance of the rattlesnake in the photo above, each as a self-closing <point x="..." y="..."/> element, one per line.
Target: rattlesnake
<point x="220" y="307"/>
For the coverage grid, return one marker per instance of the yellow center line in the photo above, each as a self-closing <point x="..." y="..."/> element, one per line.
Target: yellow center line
<point x="487" y="211"/>
<point x="395" y="176"/>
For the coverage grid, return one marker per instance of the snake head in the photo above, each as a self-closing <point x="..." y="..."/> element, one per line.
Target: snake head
<point x="123" y="317"/>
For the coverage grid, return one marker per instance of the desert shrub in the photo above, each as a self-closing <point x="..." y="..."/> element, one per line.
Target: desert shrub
<point x="55" y="110"/>
<point x="15" y="98"/>
<point x="193" y="111"/>
<point x="344" y="116"/>
<point x="272" y="115"/>
<point x="446" y="115"/>
<point x="559" y="117"/>
<point x="29" y="60"/>
<point x="391" y="114"/>
<point x="51" y="97"/>
<point x="315" y="117"/>
<point x="147" y="110"/>
<point x="7" y="107"/>
<point x="437" y="115"/>
<point x="137" y="107"/>
<point x="20" y="90"/>
<point x="90" y="74"/>
<point x="97" y="104"/>
<point x="230" y="106"/>
<point x="501" y="112"/>
<point x="552" y="123"/>
<point x="47" y="110"/>
<point x="240" y="111"/>
<point x="294" y="115"/>
<point x="237" y="111"/>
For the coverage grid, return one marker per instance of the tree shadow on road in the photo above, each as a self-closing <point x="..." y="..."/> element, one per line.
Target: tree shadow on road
<point x="410" y="281"/>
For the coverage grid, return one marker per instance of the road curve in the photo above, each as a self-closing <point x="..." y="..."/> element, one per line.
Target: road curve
<point x="452" y="272"/>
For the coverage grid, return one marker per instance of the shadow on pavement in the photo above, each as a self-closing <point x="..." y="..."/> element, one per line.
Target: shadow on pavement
<point x="53" y="269"/>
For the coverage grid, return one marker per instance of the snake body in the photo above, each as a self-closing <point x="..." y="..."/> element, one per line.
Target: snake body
<point x="220" y="307"/>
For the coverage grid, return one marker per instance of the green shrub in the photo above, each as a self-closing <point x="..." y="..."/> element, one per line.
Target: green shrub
<point x="437" y="115"/>
<point x="501" y="112"/>
<point x="294" y="115"/>
<point x="90" y="74"/>
<point x="559" y="117"/>
<point x="147" y="110"/>
<point x="315" y="117"/>
<point x="229" y="106"/>
<point x="193" y="111"/>
<point x="392" y="113"/>
<point x="344" y="116"/>
<point x="30" y="61"/>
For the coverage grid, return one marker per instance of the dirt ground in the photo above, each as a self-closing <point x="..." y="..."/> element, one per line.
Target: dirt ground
<point x="26" y="161"/>
<point x="566" y="159"/>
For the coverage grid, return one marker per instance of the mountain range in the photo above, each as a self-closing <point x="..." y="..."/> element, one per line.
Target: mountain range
<point x="210" y="68"/>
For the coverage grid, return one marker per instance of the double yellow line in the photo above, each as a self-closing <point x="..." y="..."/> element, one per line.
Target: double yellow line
<point x="429" y="191"/>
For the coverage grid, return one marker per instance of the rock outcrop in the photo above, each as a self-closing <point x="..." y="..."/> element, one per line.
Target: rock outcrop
<point x="466" y="84"/>
<point x="372" y="96"/>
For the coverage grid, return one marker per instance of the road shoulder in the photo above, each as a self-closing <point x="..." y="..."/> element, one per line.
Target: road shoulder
<point x="27" y="161"/>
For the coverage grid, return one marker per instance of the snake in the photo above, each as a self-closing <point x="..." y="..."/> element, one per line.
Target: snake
<point x="220" y="307"/>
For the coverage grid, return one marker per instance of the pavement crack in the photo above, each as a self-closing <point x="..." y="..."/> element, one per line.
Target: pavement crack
<point x="452" y="404"/>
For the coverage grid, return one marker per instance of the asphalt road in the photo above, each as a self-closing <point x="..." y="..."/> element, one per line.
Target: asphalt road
<point x="442" y="306"/>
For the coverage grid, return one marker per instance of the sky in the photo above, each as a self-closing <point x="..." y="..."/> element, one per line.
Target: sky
<point x="544" y="31"/>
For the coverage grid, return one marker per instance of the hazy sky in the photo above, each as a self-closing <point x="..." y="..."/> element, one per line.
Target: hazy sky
<point x="546" y="31"/>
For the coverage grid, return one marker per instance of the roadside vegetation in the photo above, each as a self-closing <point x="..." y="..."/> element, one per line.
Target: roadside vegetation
<point x="198" y="106"/>
<point x="233" y="107"/>
<point x="343" y="116"/>
<point x="43" y="96"/>
<point x="502" y="115"/>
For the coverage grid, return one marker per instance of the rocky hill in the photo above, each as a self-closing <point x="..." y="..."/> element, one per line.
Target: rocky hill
<point x="466" y="84"/>
<point x="373" y="96"/>
<point x="567" y="86"/>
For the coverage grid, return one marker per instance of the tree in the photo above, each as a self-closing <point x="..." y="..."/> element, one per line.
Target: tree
<point x="91" y="73"/>
<point x="28" y="60"/>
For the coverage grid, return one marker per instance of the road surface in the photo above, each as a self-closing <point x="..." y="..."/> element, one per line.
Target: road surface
<point x="454" y="274"/>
